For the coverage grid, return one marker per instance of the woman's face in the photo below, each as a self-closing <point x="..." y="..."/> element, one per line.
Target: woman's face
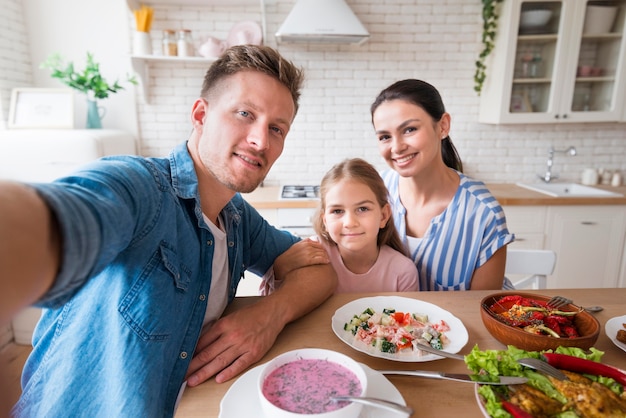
<point x="408" y="137"/>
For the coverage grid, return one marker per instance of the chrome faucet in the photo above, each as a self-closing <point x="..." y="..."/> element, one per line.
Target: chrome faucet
<point x="549" y="175"/>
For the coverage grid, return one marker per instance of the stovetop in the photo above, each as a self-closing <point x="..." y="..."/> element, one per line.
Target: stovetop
<point x="299" y="192"/>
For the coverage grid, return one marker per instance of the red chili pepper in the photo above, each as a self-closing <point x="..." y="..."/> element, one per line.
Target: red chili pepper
<point x="580" y="365"/>
<point x="537" y="316"/>
<point x="515" y="299"/>
<point x="552" y="323"/>
<point x="559" y="319"/>
<point x="570" y="331"/>
<point x="515" y="410"/>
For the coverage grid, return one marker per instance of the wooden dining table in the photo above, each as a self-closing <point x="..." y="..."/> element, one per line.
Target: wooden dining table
<point x="428" y="397"/>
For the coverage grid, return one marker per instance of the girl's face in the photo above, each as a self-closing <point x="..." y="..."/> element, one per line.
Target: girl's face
<point x="408" y="137"/>
<point x="353" y="217"/>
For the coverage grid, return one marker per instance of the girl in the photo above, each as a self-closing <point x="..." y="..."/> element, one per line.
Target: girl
<point x="454" y="227"/>
<point x="354" y="224"/>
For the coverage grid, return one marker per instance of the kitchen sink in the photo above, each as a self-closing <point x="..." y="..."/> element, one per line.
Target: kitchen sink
<point x="568" y="190"/>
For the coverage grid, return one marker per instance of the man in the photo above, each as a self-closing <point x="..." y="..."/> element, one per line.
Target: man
<point x="131" y="256"/>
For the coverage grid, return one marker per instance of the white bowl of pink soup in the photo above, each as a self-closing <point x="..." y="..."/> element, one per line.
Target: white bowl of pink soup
<point x="299" y="383"/>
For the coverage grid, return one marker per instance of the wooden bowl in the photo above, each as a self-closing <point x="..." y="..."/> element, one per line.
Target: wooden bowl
<point x="587" y="325"/>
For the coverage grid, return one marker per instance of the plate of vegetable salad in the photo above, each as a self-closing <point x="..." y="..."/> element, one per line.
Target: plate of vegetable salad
<point x="389" y="326"/>
<point x="594" y="389"/>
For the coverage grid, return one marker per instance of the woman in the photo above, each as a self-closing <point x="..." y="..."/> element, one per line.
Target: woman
<point x="455" y="229"/>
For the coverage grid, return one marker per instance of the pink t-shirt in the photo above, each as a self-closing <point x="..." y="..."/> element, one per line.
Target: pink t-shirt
<point x="392" y="272"/>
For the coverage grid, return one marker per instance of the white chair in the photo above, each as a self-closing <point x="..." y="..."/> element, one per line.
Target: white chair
<point x="535" y="264"/>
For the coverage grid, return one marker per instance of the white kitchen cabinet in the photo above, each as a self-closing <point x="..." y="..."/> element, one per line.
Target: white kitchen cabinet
<point x="528" y="223"/>
<point x="534" y="75"/>
<point x="589" y="243"/>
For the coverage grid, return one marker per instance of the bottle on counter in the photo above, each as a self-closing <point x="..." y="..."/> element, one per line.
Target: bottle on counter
<point x="170" y="47"/>
<point x="185" y="43"/>
<point x="589" y="177"/>
<point x="616" y="180"/>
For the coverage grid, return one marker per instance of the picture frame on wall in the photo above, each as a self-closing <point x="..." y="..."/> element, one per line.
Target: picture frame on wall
<point x="41" y="108"/>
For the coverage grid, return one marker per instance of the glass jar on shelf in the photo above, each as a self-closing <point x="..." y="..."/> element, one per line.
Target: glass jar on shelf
<point x="170" y="47"/>
<point x="185" y="43"/>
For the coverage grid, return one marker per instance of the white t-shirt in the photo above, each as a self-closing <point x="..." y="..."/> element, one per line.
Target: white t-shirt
<point x="218" y="295"/>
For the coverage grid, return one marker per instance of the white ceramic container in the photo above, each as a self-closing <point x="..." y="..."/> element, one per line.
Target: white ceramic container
<point x="599" y="19"/>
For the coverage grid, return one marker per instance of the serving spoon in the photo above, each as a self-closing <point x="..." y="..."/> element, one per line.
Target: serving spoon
<point x="376" y="402"/>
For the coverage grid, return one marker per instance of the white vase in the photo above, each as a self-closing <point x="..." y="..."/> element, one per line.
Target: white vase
<point x="142" y="44"/>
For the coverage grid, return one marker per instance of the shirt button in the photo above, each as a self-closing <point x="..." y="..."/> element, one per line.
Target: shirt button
<point x="209" y="242"/>
<point x="202" y="297"/>
<point x="183" y="355"/>
<point x="231" y="244"/>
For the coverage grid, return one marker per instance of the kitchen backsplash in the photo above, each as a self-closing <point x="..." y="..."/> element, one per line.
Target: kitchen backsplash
<point x="433" y="40"/>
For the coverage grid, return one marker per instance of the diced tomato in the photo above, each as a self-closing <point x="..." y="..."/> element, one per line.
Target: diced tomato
<point x="398" y="317"/>
<point x="404" y="343"/>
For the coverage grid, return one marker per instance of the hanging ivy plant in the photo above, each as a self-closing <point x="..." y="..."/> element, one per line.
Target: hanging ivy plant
<point x="490" y="26"/>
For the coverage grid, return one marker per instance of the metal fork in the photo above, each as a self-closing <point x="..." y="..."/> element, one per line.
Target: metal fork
<point x="543" y="367"/>
<point x="560" y="301"/>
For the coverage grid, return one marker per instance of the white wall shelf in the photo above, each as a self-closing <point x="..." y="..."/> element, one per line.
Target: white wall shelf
<point x="141" y="63"/>
<point x="141" y="66"/>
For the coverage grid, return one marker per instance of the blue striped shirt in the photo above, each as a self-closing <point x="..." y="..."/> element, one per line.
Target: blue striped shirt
<point x="459" y="240"/>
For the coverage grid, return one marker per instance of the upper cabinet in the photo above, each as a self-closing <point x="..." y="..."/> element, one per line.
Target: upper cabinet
<point x="557" y="61"/>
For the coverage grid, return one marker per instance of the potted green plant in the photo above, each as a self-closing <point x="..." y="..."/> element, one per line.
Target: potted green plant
<point x="490" y="26"/>
<point x="88" y="81"/>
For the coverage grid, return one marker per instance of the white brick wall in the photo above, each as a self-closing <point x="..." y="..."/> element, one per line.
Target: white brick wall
<point x="435" y="40"/>
<point x="15" y="67"/>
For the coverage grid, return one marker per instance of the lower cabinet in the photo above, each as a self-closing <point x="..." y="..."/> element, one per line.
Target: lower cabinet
<point x="528" y="223"/>
<point x="588" y="241"/>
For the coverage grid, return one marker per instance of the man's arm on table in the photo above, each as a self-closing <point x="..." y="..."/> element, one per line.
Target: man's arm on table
<point x="243" y="337"/>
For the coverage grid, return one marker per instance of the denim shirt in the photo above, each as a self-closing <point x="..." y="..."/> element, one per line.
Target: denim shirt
<point x="121" y="321"/>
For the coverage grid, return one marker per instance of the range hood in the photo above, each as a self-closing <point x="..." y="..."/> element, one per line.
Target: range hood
<point x="325" y="21"/>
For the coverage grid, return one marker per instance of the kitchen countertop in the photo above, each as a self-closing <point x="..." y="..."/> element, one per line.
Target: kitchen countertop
<point x="508" y="194"/>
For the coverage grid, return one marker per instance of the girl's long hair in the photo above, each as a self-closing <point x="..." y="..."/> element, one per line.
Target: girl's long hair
<point x="359" y="170"/>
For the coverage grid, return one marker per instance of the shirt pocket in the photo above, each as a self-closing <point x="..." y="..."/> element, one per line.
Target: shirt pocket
<point x="162" y="284"/>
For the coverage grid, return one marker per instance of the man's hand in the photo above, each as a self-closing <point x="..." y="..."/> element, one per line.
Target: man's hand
<point x="242" y="338"/>
<point x="303" y="253"/>
<point x="232" y="344"/>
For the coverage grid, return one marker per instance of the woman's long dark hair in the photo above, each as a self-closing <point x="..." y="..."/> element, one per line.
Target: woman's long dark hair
<point x="428" y="98"/>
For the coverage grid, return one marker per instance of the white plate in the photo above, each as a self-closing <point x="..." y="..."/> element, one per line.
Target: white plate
<point x="612" y="326"/>
<point x="241" y="400"/>
<point x="481" y="402"/>
<point x="246" y="32"/>
<point x="457" y="335"/>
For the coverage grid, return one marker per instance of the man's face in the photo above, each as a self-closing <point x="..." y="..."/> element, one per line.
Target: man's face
<point x="241" y="130"/>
